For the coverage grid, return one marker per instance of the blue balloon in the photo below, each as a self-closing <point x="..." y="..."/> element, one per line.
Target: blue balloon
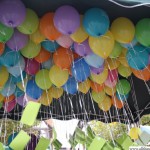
<point x="122" y="97"/>
<point x="137" y="57"/>
<point x="130" y="45"/>
<point x="11" y="137"/>
<point x="18" y="92"/>
<point x="96" y="22"/>
<point x="33" y="90"/>
<point x="80" y="70"/>
<point x="47" y="64"/>
<point x="94" y="60"/>
<point x="50" y="46"/>
<point x="71" y="86"/>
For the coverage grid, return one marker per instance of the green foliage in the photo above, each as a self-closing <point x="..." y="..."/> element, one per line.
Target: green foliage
<point x="145" y="120"/>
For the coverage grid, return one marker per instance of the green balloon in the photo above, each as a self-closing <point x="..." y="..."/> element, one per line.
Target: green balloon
<point x="5" y="33"/>
<point x="142" y="31"/>
<point x="123" y="87"/>
<point x="30" y="24"/>
<point x="116" y="50"/>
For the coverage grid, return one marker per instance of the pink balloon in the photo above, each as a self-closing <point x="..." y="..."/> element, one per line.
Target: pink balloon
<point x="65" y="41"/>
<point x="110" y="84"/>
<point x="9" y="106"/>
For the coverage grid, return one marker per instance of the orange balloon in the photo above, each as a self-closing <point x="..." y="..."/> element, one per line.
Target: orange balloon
<point x="117" y="103"/>
<point x="2" y="47"/>
<point x="10" y="98"/>
<point x="43" y="56"/>
<point x="47" y="27"/>
<point x="63" y="58"/>
<point x="142" y="74"/>
<point x="97" y="87"/>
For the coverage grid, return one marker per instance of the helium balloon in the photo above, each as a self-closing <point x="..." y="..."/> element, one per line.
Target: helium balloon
<point x="17" y="41"/>
<point x="96" y="87"/>
<point x="117" y="103"/>
<point x="112" y="63"/>
<point x="122" y="97"/>
<point x="32" y="66"/>
<point x="109" y="83"/>
<point x="124" y="71"/>
<point x="48" y="64"/>
<point x="66" y="19"/>
<point x="96" y="22"/>
<point x="9" y="98"/>
<point x="63" y="58"/>
<point x="84" y="86"/>
<point x="110" y="91"/>
<point x="116" y="50"/>
<point x="30" y="24"/>
<point x="2" y="47"/>
<point x="21" y="101"/>
<point x="105" y="105"/>
<point x="103" y="45"/>
<point x="134" y="133"/>
<point x="5" y="33"/>
<point x="12" y="13"/>
<point x="123" y="87"/>
<point x="123" y="30"/>
<point x="47" y="27"/>
<point x="64" y="41"/>
<point x="142" y="31"/>
<point x="42" y="79"/>
<point x="97" y="70"/>
<point x="50" y="46"/>
<point x="4" y="75"/>
<point x="43" y="56"/>
<point x="137" y="57"/>
<point x="31" y="50"/>
<point x="33" y="90"/>
<point x="55" y="92"/>
<point x="75" y="55"/>
<point x="71" y="86"/>
<point x="131" y="44"/>
<point x="80" y="70"/>
<point x="98" y="96"/>
<point x="22" y="85"/>
<point x="112" y="75"/>
<point x="1" y="98"/>
<point x="82" y="49"/>
<point x="18" y="92"/>
<point x="58" y="76"/>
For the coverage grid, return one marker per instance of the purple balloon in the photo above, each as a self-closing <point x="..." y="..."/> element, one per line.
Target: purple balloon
<point x="66" y="19"/>
<point x="97" y="70"/>
<point x="21" y="101"/>
<point x="12" y="12"/>
<point x="83" y="49"/>
<point x="17" y="41"/>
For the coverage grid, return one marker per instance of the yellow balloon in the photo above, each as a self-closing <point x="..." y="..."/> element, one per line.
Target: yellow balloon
<point x="56" y="92"/>
<point x="110" y="91"/>
<point x="58" y="76"/>
<point x="100" y="78"/>
<point x="123" y="30"/>
<point x="37" y="37"/>
<point x="84" y="86"/>
<point x="105" y="105"/>
<point x="22" y="85"/>
<point x="31" y="50"/>
<point x="124" y="71"/>
<point x="102" y="45"/>
<point x="1" y="97"/>
<point x="98" y="96"/>
<point x="3" y="76"/>
<point x="112" y="63"/>
<point x="134" y="133"/>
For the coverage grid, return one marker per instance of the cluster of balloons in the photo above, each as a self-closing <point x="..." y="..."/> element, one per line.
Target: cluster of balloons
<point x="66" y="51"/>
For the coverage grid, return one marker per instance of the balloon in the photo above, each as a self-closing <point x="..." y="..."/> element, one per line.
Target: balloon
<point x="110" y="84"/>
<point x="112" y="63"/>
<point x="64" y="41"/>
<point x="123" y="87"/>
<point x="37" y="37"/>
<point x="50" y="46"/>
<point x="142" y="74"/>
<point x="123" y="30"/>
<point x="112" y="75"/>
<point x="30" y="24"/>
<point x="58" y="76"/>
<point x="43" y="56"/>
<point x="116" y="50"/>
<point x="96" y="87"/>
<point x="122" y="97"/>
<point x="18" y="92"/>
<point x="18" y="68"/>
<point x="103" y="45"/>
<point x="31" y="50"/>
<point x="131" y="44"/>
<point x="134" y="133"/>
<point x="66" y="19"/>
<point x="98" y="97"/>
<point x="12" y="13"/>
<point x="11" y="137"/>
<point x="71" y="86"/>
<point x="9" y="106"/>
<point x="5" y="33"/>
<point x="142" y="31"/>
<point x="96" y="22"/>
<point x="63" y="58"/>
<point x="22" y="85"/>
<point x="17" y="41"/>
<point x="84" y="86"/>
<point x="110" y="91"/>
<point x="117" y="103"/>
<point x="21" y="101"/>
<point x="97" y="70"/>
<point x="32" y="66"/>
<point x="2" y="47"/>
<point x="105" y="104"/>
<point x="42" y="79"/>
<point x="124" y="71"/>
<point x="33" y="90"/>
<point x="80" y="70"/>
<point x="47" y="27"/>
<point x="1" y="98"/>
<point x="55" y="92"/>
<point x="48" y="64"/>
<point x="82" y="49"/>
<point x="3" y="76"/>
<point x="9" y="98"/>
<point x="137" y="57"/>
